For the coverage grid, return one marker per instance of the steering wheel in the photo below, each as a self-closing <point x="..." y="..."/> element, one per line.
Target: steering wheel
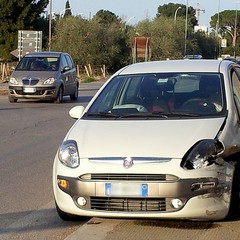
<point x="198" y="105"/>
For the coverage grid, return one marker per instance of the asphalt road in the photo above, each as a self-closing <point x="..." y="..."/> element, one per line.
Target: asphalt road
<point x="30" y="135"/>
<point x="31" y="132"/>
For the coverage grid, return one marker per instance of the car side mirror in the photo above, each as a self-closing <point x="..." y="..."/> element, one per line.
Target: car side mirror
<point x="66" y="68"/>
<point x="76" y="112"/>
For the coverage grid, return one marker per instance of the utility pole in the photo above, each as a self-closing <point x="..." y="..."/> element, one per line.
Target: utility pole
<point x="50" y="26"/>
<point x="198" y="10"/>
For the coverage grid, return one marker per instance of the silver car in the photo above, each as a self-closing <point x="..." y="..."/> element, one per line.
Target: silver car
<point x="44" y="75"/>
<point x="159" y="140"/>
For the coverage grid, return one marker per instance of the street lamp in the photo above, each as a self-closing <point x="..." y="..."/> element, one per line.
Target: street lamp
<point x="130" y="19"/>
<point x="186" y="25"/>
<point x="175" y="15"/>
<point x="63" y="11"/>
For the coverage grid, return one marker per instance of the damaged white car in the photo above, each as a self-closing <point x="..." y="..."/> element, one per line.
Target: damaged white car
<point x="159" y="140"/>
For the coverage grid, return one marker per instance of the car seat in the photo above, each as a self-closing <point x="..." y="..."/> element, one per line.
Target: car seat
<point x="36" y="65"/>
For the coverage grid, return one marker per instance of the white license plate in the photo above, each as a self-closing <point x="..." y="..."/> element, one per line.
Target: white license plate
<point x="29" y="90"/>
<point x="126" y="189"/>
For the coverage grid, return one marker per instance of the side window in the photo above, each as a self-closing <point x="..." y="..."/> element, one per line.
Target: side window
<point x="70" y="62"/>
<point x="64" y="62"/>
<point x="236" y="89"/>
<point x="131" y="90"/>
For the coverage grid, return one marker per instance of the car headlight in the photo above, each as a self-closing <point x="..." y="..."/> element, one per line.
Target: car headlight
<point x="13" y="80"/>
<point x="49" y="81"/>
<point x="68" y="154"/>
<point x="202" y="154"/>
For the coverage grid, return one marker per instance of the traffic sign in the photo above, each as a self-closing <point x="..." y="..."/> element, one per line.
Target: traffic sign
<point x="28" y="41"/>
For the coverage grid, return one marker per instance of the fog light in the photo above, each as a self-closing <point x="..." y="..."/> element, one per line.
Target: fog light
<point x="177" y="203"/>
<point x="81" y="201"/>
<point x="63" y="183"/>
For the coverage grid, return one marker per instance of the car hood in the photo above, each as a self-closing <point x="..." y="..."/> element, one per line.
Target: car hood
<point x="151" y="138"/>
<point x="41" y="75"/>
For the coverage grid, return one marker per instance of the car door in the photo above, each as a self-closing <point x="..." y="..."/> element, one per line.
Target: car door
<point x="65" y="70"/>
<point x="72" y="76"/>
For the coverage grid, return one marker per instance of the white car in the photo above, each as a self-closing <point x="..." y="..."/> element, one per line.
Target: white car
<point x="159" y="140"/>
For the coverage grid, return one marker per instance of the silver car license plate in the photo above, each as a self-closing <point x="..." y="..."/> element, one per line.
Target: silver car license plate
<point x="29" y="89"/>
<point x="126" y="189"/>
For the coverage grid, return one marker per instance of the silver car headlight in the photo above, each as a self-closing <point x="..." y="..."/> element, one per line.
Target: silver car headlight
<point x="49" y="81"/>
<point x="202" y="154"/>
<point x="68" y="154"/>
<point x="13" y="80"/>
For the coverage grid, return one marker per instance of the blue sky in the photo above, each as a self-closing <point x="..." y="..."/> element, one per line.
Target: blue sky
<point x="137" y="10"/>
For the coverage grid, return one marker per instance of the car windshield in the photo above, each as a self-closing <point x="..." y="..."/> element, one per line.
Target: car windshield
<point x="160" y="96"/>
<point x="38" y="64"/>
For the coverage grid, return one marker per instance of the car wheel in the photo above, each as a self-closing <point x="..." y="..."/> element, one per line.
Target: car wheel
<point x="234" y="210"/>
<point x="59" y="98"/>
<point x="11" y="99"/>
<point x="75" y="95"/>
<point x="69" y="217"/>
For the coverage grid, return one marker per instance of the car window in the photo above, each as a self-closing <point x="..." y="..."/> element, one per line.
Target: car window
<point x="70" y="62"/>
<point x="64" y="62"/>
<point x="198" y="93"/>
<point x="38" y="64"/>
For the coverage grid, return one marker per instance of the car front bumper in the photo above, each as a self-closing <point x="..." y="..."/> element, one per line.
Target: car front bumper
<point x="46" y="92"/>
<point x="202" y="198"/>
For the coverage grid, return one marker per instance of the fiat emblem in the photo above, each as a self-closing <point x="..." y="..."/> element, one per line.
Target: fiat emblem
<point x="128" y="162"/>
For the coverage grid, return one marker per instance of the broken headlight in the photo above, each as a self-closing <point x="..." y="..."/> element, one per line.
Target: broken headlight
<point x="202" y="154"/>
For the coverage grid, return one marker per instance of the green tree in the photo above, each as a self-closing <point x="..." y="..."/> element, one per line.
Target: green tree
<point x="17" y="15"/>
<point x="169" y="10"/>
<point x="165" y="37"/>
<point x="101" y="40"/>
<point x="228" y="27"/>
<point x="207" y="45"/>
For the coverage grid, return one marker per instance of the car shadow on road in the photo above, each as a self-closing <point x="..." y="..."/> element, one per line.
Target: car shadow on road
<point x="34" y="221"/>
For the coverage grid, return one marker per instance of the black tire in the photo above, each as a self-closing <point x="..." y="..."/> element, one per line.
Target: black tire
<point x="59" y="98"/>
<point x="234" y="210"/>
<point x="74" y="96"/>
<point x="12" y="100"/>
<point x="69" y="217"/>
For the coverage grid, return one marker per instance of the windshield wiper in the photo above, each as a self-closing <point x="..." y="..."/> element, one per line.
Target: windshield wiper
<point x="182" y="114"/>
<point x="161" y="114"/>
<point x="164" y="115"/>
<point x="102" y="114"/>
<point x="145" y="115"/>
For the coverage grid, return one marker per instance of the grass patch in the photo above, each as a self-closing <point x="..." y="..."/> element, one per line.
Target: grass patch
<point x="88" y="80"/>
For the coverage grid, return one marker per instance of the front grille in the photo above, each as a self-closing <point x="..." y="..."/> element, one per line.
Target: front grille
<point x="128" y="204"/>
<point x="38" y="92"/>
<point x="129" y="177"/>
<point x="30" y="82"/>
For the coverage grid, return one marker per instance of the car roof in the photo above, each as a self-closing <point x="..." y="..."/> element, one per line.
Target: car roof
<point x="176" y="66"/>
<point x="44" y="54"/>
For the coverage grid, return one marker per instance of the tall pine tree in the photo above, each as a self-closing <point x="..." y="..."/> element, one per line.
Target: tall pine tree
<point x="17" y="15"/>
<point x="68" y="11"/>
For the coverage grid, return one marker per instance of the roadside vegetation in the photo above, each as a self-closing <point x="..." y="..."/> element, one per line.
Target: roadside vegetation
<point x="107" y="40"/>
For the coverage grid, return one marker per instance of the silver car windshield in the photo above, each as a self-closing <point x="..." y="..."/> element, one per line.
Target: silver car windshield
<point x="38" y="64"/>
<point x="161" y="95"/>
